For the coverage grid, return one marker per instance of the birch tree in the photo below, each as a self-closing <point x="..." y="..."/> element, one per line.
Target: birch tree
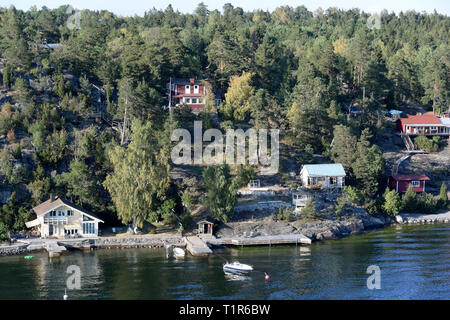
<point x="140" y="176"/>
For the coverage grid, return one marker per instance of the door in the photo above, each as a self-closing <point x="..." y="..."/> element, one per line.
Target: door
<point x="50" y="229"/>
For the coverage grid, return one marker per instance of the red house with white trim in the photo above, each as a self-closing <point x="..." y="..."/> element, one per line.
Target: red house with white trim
<point x="187" y="91"/>
<point x="401" y="182"/>
<point x="424" y="124"/>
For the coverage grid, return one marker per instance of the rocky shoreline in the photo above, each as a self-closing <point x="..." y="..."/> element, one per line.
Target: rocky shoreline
<point x="415" y="218"/>
<point x="316" y="230"/>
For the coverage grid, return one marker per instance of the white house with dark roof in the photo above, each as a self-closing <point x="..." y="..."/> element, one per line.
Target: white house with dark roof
<point x="58" y="217"/>
<point x="323" y="176"/>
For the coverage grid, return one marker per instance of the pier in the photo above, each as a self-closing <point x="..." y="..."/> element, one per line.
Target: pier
<point x="54" y="249"/>
<point x="196" y="246"/>
<point x="261" y="240"/>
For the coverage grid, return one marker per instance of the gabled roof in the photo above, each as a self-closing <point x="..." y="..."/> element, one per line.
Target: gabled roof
<point x="186" y="81"/>
<point x="205" y="222"/>
<point x="411" y="177"/>
<point x="427" y="118"/>
<point x="328" y="169"/>
<point x="49" y="205"/>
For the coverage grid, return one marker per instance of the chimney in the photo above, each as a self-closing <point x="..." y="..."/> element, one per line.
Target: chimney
<point x="52" y="197"/>
<point x="192" y="80"/>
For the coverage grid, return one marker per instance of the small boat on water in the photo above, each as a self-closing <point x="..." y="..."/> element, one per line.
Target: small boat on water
<point x="237" y="267"/>
<point x="178" y="252"/>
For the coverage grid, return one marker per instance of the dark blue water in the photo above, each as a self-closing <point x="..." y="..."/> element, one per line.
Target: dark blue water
<point x="414" y="263"/>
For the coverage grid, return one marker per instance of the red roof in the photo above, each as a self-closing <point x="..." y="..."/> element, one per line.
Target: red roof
<point x="427" y="118"/>
<point x="411" y="177"/>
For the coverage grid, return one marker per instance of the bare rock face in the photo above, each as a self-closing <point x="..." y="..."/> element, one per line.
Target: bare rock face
<point x="325" y="229"/>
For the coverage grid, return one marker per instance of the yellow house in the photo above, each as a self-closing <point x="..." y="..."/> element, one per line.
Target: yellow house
<point x="58" y="217"/>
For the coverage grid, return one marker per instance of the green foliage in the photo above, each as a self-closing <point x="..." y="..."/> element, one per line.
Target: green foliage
<point x="220" y="189"/>
<point x="140" y="176"/>
<point x="79" y="183"/>
<point x="285" y="214"/>
<point x="427" y="203"/>
<point x="309" y="211"/>
<point x="244" y="175"/>
<point x="429" y="145"/>
<point x="409" y="200"/>
<point x="443" y="196"/>
<point x="3" y="231"/>
<point x="186" y="220"/>
<point x="392" y="203"/>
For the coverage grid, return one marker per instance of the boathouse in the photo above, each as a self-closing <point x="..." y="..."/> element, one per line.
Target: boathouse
<point x="400" y="183"/>
<point x="58" y="217"/>
<point x="205" y="228"/>
<point x="322" y="176"/>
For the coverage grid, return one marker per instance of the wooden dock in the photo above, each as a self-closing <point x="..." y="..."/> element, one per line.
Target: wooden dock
<point x="196" y="246"/>
<point x="262" y="240"/>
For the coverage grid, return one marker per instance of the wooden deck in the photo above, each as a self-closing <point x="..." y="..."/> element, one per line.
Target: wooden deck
<point x="262" y="240"/>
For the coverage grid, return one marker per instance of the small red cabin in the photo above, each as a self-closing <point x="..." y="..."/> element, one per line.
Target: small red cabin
<point x="401" y="182"/>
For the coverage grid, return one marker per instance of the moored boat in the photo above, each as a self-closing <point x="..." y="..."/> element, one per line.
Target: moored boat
<point x="178" y="252"/>
<point x="237" y="267"/>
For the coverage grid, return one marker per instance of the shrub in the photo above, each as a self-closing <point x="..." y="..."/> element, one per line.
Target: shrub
<point x="392" y="203"/>
<point x="427" y="203"/>
<point x="443" y="197"/>
<point x="285" y="215"/>
<point x="426" y="144"/>
<point x="409" y="200"/>
<point x="186" y="220"/>
<point x="309" y="211"/>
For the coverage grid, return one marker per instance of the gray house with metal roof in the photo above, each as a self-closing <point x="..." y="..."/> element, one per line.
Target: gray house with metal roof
<point x="322" y="176"/>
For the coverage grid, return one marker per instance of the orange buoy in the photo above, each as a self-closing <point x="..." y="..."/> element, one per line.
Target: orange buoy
<point x="267" y="277"/>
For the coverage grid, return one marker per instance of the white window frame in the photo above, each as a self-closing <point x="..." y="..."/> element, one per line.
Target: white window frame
<point x="187" y="89"/>
<point x="415" y="183"/>
<point x="195" y="100"/>
<point x="196" y="88"/>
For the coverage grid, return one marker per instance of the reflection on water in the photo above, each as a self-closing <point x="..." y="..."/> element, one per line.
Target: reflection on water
<point x="236" y="277"/>
<point x="414" y="263"/>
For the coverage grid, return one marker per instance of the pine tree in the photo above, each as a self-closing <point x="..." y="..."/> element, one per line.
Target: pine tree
<point x="409" y="200"/>
<point x="392" y="203"/>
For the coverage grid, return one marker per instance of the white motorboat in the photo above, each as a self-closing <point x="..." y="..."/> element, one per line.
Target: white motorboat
<point x="178" y="252"/>
<point x="237" y="267"/>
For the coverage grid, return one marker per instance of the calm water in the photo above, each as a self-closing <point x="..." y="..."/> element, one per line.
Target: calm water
<point x="414" y="262"/>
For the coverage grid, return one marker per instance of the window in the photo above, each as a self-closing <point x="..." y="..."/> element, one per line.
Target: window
<point x="415" y="184"/>
<point x="187" y="89"/>
<point x="196" y="89"/>
<point x="187" y="100"/>
<point x="194" y="100"/>
<point x="88" y="228"/>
